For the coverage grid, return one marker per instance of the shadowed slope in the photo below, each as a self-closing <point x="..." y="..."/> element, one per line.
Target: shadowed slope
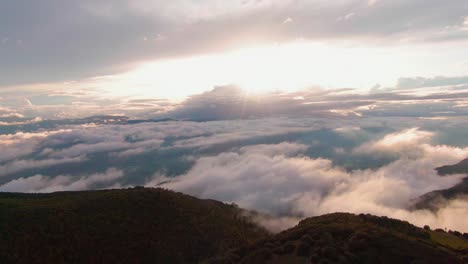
<point x="137" y="225"/>
<point x="142" y="225"/>
<point x="439" y="198"/>
<point x="347" y="238"/>
<point x="461" y="167"/>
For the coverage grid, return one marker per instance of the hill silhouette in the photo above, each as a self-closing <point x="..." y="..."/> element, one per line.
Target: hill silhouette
<point x="146" y="225"/>
<point x="348" y="238"/>
<point x="461" y="167"/>
<point x="438" y="198"/>
<point x="138" y="225"/>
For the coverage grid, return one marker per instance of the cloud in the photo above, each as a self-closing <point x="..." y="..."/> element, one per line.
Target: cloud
<point x="231" y="102"/>
<point x="136" y="147"/>
<point x="16" y="145"/>
<point x="413" y="96"/>
<point x="288" y="118"/>
<point x="20" y="165"/>
<point x="224" y="136"/>
<point x="346" y="17"/>
<point x="284" y="148"/>
<point x="7" y="114"/>
<point x="288" y="20"/>
<point x="138" y="144"/>
<point x="85" y="141"/>
<point x="291" y="186"/>
<point x="408" y="143"/>
<point x="40" y="183"/>
<point x="287" y="167"/>
<point x="419" y="82"/>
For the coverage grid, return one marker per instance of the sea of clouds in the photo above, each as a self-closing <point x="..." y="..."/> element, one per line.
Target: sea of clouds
<point x="286" y="155"/>
<point x="285" y="168"/>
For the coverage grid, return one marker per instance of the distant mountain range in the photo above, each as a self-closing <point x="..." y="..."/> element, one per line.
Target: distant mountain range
<point x="145" y="225"/>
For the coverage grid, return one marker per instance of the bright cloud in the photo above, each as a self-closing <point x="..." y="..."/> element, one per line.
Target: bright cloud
<point x="408" y="143"/>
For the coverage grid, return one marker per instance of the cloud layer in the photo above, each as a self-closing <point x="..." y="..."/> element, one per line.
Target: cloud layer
<point x="287" y="167"/>
<point x="272" y="179"/>
<point x="39" y="183"/>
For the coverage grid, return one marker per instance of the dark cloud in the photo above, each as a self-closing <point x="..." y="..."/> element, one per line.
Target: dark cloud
<point x="421" y="97"/>
<point x="228" y="102"/>
<point x="56" y="40"/>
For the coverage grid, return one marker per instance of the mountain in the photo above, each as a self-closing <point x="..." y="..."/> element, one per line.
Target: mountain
<point x="146" y="225"/>
<point x="138" y="225"/>
<point x="435" y="199"/>
<point x="348" y="238"/>
<point x="459" y="168"/>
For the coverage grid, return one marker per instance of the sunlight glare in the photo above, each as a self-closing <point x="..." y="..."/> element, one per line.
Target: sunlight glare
<point x="285" y="67"/>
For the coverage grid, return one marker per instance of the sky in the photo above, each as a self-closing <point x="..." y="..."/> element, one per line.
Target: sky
<point x="179" y="48"/>
<point x="292" y="108"/>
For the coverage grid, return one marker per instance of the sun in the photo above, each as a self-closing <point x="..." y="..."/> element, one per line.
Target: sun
<point x="256" y="70"/>
<point x="277" y="67"/>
